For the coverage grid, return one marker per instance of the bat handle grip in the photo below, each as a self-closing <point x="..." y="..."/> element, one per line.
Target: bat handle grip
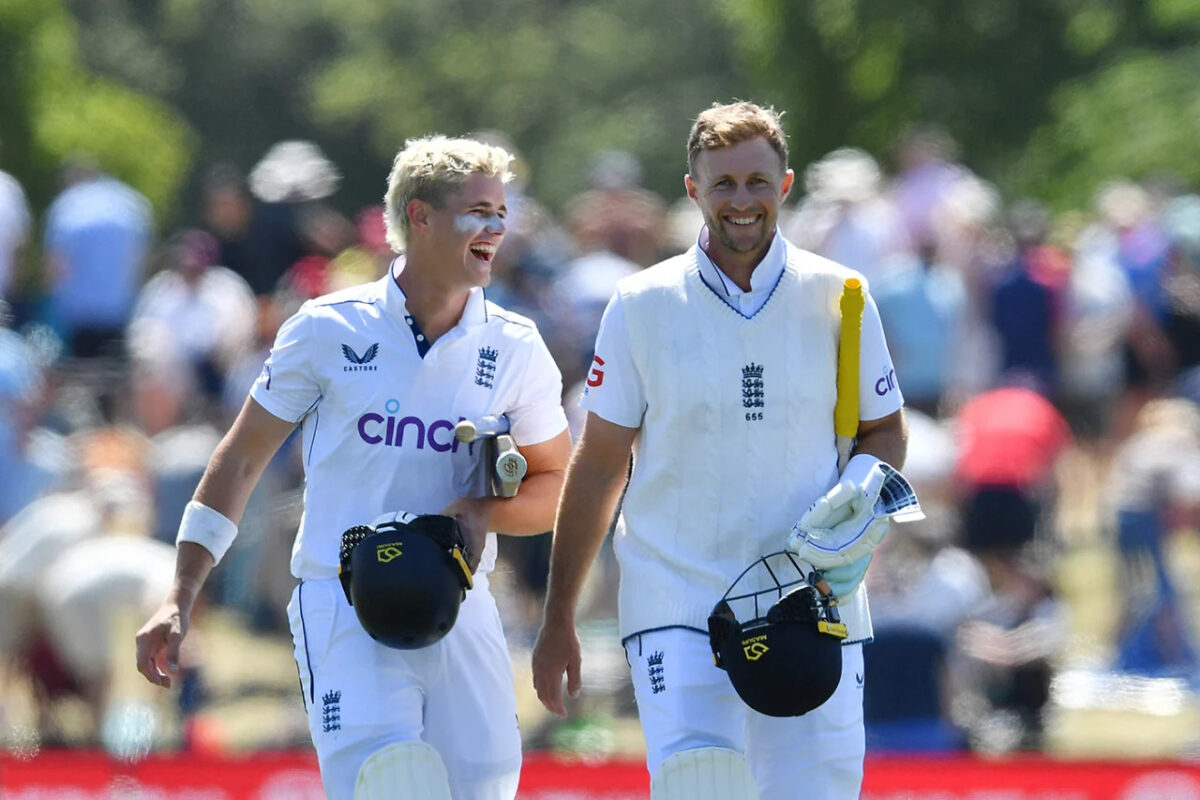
<point x="510" y="466"/>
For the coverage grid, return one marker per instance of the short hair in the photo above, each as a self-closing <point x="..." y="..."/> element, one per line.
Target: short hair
<point x="724" y="125"/>
<point x="430" y="169"/>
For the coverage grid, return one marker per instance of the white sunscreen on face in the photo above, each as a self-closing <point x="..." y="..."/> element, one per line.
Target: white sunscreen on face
<point x="473" y="225"/>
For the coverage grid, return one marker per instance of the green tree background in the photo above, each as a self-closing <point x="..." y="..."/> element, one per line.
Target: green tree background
<point x="1046" y="97"/>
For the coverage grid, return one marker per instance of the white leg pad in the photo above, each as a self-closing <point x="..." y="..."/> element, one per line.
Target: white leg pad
<point x="705" y="773"/>
<point x="403" y="770"/>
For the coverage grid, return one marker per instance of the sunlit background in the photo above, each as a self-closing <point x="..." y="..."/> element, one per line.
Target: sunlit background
<point x="1017" y="178"/>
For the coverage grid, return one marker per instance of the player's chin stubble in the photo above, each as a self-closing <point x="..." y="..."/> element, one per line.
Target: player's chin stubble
<point x="728" y="242"/>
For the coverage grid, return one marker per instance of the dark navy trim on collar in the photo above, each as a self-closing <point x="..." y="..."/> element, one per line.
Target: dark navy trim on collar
<point x="725" y="299"/>
<point x="419" y="339"/>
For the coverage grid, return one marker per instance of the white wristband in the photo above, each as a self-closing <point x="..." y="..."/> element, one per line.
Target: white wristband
<point x="208" y="528"/>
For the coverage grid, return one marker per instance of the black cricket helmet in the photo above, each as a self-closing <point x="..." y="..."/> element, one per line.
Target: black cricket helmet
<point x="778" y="638"/>
<point x="406" y="576"/>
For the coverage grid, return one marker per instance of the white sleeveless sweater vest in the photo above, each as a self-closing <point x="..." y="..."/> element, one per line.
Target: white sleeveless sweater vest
<point x="737" y="440"/>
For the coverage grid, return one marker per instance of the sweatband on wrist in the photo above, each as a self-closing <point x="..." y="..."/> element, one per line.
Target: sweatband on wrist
<point x="208" y="528"/>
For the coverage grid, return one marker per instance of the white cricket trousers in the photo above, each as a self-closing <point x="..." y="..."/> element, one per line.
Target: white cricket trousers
<point x="685" y="702"/>
<point x="456" y="695"/>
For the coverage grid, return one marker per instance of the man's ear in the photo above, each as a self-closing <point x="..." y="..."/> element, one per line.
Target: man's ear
<point x="690" y="186"/>
<point x="418" y="214"/>
<point x="785" y="187"/>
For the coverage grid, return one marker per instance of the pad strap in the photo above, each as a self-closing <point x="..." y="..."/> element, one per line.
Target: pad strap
<point x="208" y="528"/>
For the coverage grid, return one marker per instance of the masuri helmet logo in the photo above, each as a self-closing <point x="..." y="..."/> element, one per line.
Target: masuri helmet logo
<point x="386" y="552"/>
<point x="755" y="648"/>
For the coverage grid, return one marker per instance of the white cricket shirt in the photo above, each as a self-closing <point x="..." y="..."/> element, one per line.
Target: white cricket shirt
<point x="379" y="405"/>
<point x="735" y="419"/>
<point x="623" y="398"/>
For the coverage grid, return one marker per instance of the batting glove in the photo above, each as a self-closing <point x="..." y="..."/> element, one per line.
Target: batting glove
<point x="850" y="520"/>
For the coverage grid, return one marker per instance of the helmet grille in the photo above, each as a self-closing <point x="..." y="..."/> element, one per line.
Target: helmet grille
<point x="351" y="540"/>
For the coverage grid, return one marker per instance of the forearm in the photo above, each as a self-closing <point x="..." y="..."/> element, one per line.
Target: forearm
<point x="531" y="511"/>
<point x="585" y="513"/>
<point x="209" y="522"/>
<point x="886" y="439"/>
<point x="192" y="565"/>
<point x="229" y="480"/>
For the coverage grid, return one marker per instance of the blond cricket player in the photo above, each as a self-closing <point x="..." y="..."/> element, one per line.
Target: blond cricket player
<point x="378" y="376"/>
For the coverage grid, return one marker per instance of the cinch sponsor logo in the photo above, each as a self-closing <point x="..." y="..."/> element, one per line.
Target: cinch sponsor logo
<point x="886" y="383"/>
<point x="398" y="431"/>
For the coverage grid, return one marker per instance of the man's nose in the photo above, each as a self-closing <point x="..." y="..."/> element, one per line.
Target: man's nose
<point x="742" y="197"/>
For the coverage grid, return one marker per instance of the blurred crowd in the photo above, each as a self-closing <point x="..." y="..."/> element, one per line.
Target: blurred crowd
<point x="1046" y="359"/>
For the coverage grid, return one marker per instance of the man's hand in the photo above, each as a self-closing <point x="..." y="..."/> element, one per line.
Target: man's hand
<point x="472" y="516"/>
<point x="161" y="635"/>
<point x="555" y="652"/>
<point x="850" y="520"/>
<point x="844" y="581"/>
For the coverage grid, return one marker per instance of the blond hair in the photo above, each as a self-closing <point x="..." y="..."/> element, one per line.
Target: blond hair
<point x="430" y="169"/>
<point x="724" y="125"/>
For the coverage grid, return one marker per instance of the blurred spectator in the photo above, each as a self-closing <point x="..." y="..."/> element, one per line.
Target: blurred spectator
<point x="615" y="214"/>
<point x="1027" y="298"/>
<point x="1098" y="310"/>
<point x="75" y="568"/>
<point x="15" y="225"/>
<point x="267" y="224"/>
<point x="1181" y="285"/>
<point x="27" y="453"/>
<point x="193" y="316"/>
<point x="1156" y="489"/>
<point x="578" y="301"/>
<point x="335" y="263"/>
<point x="619" y="228"/>
<point x="1129" y="232"/>
<point x="1141" y="243"/>
<point x="1008" y="647"/>
<point x="927" y="173"/>
<point x="922" y="587"/>
<point x="367" y="258"/>
<point x="1009" y="441"/>
<point x="97" y="236"/>
<point x="258" y="244"/>
<point x="923" y="306"/>
<point x="968" y="238"/>
<point x="846" y="217"/>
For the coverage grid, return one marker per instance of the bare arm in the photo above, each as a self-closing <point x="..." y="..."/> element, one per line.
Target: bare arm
<point x="530" y="512"/>
<point x="593" y="487"/>
<point x="885" y="438"/>
<point x="232" y="473"/>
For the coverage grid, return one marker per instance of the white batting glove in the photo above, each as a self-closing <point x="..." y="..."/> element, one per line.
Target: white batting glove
<point x="849" y="521"/>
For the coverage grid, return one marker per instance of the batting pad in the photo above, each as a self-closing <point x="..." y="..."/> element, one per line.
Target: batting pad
<point x="403" y="770"/>
<point x="706" y="773"/>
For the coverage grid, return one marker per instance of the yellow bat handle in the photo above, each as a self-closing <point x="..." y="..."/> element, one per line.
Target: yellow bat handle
<point x="845" y="412"/>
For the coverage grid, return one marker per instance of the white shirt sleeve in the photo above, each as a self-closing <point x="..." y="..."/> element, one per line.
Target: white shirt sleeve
<point x="878" y="390"/>
<point x="287" y="386"/>
<point x="537" y="414"/>
<point x="613" y="389"/>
